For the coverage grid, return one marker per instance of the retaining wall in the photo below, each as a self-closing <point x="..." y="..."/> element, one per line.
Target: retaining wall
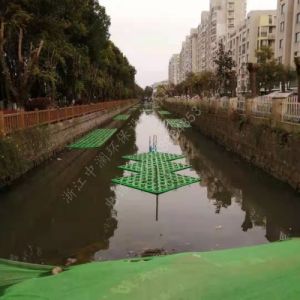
<point x="257" y="140"/>
<point x="23" y="150"/>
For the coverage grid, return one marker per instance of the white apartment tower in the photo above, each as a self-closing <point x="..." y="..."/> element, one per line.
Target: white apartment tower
<point x="257" y="31"/>
<point x="225" y="16"/>
<point x="174" y="69"/>
<point x="199" y="49"/>
<point x="288" y="31"/>
<point x="284" y="37"/>
<point x="194" y="44"/>
<point x="186" y="58"/>
<point x="203" y="42"/>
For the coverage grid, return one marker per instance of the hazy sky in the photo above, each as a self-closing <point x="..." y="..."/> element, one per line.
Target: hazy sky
<point x="149" y="32"/>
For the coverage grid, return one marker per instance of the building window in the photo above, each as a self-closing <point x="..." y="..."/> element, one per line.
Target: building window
<point x="282" y="9"/>
<point x="280" y="44"/>
<point x="297" y="38"/>
<point x="282" y="26"/>
<point x="270" y="20"/>
<point x="298" y="18"/>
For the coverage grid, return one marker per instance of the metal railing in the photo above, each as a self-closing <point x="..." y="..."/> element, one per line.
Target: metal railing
<point x="285" y="110"/>
<point x="224" y="102"/>
<point x="241" y="104"/>
<point x="262" y="106"/>
<point x="291" y="110"/>
<point x="21" y="120"/>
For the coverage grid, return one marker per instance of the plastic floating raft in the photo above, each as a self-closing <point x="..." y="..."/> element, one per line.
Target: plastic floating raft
<point x="178" y="123"/>
<point x="122" y="117"/>
<point x="96" y="139"/>
<point x="265" y="272"/>
<point x="154" y="183"/>
<point x="162" y="166"/>
<point x="164" y="113"/>
<point x="155" y="173"/>
<point x="154" y="155"/>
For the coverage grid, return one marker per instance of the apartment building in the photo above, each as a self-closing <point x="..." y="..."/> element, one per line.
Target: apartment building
<point x="284" y="34"/>
<point x="225" y="16"/>
<point x="185" y="65"/>
<point x="194" y="40"/>
<point x="203" y="42"/>
<point x="199" y="49"/>
<point x="256" y="31"/>
<point x="174" y="69"/>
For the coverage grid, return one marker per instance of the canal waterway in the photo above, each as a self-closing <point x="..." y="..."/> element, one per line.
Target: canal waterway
<point x="69" y="207"/>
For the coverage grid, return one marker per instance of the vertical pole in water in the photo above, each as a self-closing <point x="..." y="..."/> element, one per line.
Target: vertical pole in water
<point x="156" y="208"/>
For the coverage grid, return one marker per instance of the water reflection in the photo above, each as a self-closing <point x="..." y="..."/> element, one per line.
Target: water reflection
<point x="39" y="224"/>
<point x="267" y="203"/>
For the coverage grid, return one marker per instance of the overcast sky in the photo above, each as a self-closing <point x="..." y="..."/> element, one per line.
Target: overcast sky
<point x="149" y="32"/>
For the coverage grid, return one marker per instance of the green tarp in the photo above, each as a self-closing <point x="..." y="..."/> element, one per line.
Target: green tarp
<point x="263" y="272"/>
<point x="14" y="272"/>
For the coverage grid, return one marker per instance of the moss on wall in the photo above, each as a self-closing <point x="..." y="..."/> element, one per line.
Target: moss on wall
<point x="20" y="151"/>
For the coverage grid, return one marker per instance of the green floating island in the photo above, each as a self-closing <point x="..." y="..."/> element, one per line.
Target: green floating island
<point x="95" y="139"/>
<point x="162" y="166"/>
<point x="155" y="173"/>
<point x="156" y="183"/>
<point x="178" y="123"/>
<point x="164" y="113"/>
<point x="122" y="117"/>
<point x="154" y="155"/>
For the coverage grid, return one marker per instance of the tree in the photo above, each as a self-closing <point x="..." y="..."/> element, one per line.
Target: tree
<point x="162" y="91"/>
<point x="270" y="72"/>
<point x="61" y="49"/>
<point x="148" y="92"/>
<point x="225" y="71"/>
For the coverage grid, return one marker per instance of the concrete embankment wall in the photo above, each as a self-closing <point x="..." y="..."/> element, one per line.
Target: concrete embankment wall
<point x="26" y="149"/>
<point x="269" y="146"/>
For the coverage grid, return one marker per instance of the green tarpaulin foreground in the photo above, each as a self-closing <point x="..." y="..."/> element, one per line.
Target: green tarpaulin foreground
<point x="265" y="272"/>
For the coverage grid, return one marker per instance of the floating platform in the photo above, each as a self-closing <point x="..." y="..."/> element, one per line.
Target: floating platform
<point x="154" y="155"/>
<point x="164" y="113"/>
<point x="178" y="123"/>
<point x="266" y="272"/>
<point x="163" y="167"/>
<point x="155" y="173"/>
<point x="95" y="139"/>
<point x="122" y="117"/>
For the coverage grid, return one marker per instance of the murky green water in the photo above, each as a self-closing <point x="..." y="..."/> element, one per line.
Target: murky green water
<point x="69" y="207"/>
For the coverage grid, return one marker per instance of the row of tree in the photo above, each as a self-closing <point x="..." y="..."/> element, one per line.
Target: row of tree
<point x="60" y="49"/>
<point x="269" y="73"/>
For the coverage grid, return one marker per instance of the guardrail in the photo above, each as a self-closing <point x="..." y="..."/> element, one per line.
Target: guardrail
<point x="279" y="110"/>
<point x="241" y="104"/>
<point x="291" y="110"/>
<point x="21" y="120"/>
<point x="262" y="106"/>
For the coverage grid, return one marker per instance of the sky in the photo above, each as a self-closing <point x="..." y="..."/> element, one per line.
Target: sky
<point x="149" y="32"/>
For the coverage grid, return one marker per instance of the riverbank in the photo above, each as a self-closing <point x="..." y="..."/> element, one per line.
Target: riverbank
<point x="262" y="143"/>
<point x="25" y="149"/>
